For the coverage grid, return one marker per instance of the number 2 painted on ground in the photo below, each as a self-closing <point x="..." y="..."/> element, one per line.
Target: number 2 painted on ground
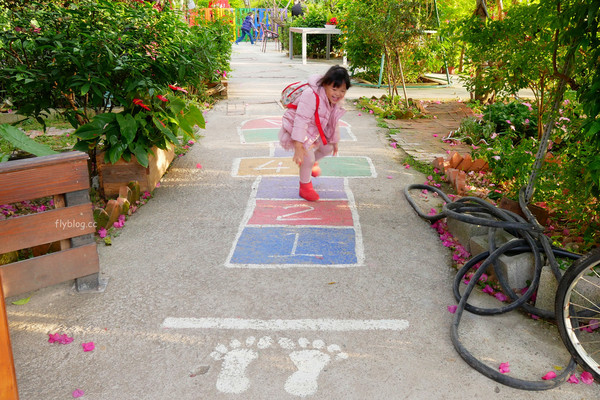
<point x="286" y="217"/>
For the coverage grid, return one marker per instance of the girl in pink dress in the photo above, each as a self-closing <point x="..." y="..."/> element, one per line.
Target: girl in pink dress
<point x="300" y="130"/>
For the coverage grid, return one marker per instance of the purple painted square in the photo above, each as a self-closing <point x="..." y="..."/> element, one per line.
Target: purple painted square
<point x="286" y="187"/>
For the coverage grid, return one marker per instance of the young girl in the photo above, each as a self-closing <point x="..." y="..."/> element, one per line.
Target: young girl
<point x="299" y="129"/>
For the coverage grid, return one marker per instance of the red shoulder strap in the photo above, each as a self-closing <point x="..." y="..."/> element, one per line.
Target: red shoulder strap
<point x="317" y="119"/>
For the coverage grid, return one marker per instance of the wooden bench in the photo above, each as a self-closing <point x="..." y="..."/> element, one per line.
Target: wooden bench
<point x="64" y="177"/>
<point x="70" y="224"/>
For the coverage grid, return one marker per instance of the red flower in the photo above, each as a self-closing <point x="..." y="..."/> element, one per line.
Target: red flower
<point x="333" y="21"/>
<point x="162" y="98"/>
<point x="177" y="88"/>
<point x="140" y="102"/>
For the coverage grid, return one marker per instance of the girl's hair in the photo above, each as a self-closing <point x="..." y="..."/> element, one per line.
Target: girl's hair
<point x="336" y="75"/>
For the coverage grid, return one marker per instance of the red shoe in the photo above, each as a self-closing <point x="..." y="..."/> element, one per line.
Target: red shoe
<point x="307" y="192"/>
<point x="316" y="170"/>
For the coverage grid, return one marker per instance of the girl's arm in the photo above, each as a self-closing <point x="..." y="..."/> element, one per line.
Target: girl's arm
<point x="299" y="152"/>
<point x="305" y="115"/>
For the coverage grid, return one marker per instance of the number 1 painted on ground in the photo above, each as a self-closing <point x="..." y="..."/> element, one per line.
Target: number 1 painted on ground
<point x="294" y="247"/>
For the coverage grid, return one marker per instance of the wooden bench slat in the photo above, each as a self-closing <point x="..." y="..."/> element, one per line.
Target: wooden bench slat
<point x="33" y="178"/>
<point x="45" y="227"/>
<point x="34" y="273"/>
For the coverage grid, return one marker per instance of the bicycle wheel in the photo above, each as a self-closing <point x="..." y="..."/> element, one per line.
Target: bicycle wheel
<point x="577" y="309"/>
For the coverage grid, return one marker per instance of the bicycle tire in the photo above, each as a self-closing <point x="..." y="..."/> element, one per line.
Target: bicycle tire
<point x="577" y="305"/>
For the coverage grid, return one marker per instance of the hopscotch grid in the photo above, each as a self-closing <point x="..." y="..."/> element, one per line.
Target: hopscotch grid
<point x="251" y="206"/>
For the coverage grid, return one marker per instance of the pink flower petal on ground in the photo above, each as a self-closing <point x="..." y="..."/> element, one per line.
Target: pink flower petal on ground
<point x="394" y="144"/>
<point x="102" y="232"/>
<point x="407" y="166"/>
<point x="504" y="368"/>
<point x="533" y="316"/>
<point x="53" y="337"/>
<point x="58" y="338"/>
<point x="435" y="135"/>
<point x="573" y="379"/>
<point x="390" y="177"/>
<point x="549" y="375"/>
<point x="157" y="184"/>
<point x="488" y="289"/>
<point x="501" y="296"/>
<point x="587" y="378"/>
<point x="198" y="166"/>
<point x="78" y="393"/>
<point x="64" y="339"/>
<point x="452" y="309"/>
<point x="359" y="114"/>
<point x="88" y="346"/>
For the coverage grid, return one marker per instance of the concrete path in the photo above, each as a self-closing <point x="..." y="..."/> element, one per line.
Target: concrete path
<point x="227" y="286"/>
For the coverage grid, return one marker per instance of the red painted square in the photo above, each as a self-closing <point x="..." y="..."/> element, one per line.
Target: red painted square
<point x="297" y="212"/>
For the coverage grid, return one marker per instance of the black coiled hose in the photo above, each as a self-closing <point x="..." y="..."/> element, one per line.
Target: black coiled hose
<point x="529" y="239"/>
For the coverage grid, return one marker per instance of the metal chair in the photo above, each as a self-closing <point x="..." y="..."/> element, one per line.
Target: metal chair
<point x="266" y="35"/>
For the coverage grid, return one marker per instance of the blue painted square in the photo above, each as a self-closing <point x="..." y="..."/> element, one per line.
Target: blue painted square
<point x="286" y="187"/>
<point x="293" y="245"/>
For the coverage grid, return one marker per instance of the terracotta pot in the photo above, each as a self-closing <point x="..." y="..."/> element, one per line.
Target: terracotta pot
<point x="541" y="214"/>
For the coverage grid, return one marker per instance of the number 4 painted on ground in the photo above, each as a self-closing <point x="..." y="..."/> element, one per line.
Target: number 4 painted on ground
<point x="277" y="169"/>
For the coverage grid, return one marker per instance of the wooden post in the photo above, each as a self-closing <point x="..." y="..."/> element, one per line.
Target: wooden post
<point x="8" y="378"/>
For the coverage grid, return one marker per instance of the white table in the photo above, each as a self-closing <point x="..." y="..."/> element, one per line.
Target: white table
<point x="307" y="31"/>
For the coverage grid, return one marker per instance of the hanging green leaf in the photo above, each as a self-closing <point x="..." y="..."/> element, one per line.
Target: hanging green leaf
<point x="127" y="126"/>
<point x="21" y="141"/>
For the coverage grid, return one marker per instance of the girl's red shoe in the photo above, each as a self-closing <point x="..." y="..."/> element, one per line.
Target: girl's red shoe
<point x="307" y="192"/>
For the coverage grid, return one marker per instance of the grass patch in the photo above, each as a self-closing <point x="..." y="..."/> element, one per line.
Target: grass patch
<point x="419" y="166"/>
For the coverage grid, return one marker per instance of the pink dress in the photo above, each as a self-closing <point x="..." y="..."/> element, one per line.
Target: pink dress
<point x="299" y="124"/>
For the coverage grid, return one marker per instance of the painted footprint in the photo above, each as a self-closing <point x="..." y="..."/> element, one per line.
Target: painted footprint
<point x="232" y="378"/>
<point x="310" y="362"/>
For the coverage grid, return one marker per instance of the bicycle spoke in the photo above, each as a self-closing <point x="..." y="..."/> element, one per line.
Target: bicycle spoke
<point x="583" y="307"/>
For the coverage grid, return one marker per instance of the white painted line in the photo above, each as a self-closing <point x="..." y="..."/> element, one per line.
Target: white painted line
<point x="331" y="325"/>
<point x="359" y="247"/>
<point x="247" y="215"/>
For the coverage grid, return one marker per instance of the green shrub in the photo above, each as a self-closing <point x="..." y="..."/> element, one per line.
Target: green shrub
<point x="93" y="55"/>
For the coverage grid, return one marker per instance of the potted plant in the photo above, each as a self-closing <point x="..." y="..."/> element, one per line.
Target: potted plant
<point x="332" y="23"/>
<point x="137" y="142"/>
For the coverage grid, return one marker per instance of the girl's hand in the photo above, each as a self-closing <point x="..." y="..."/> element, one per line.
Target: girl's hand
<point x="299" y="152"/>
<point x="335" y="149"/>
